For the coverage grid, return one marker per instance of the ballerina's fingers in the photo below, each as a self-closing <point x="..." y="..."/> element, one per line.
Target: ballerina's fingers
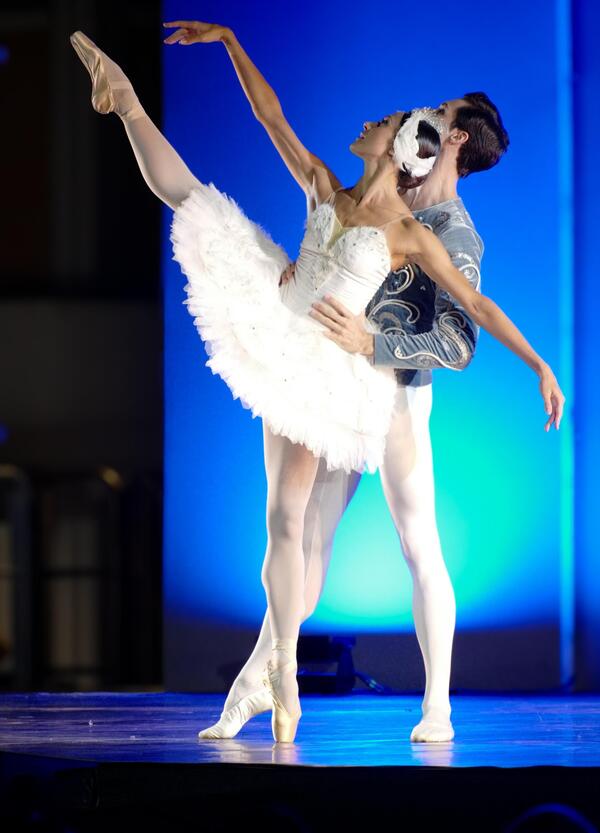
<point x="558" y="401"/>
<point x="287" y="274"/>
<point x="194" y="31"/>
<point x="188" y="31"/>
<point x="179" y="35"/>
<point x="554" y="403"/>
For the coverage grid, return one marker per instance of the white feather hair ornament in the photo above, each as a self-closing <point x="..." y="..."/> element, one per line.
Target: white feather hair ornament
<point x="406" y="144"/>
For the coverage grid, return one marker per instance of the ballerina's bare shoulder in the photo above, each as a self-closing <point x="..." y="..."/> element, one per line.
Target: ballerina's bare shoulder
<point x="400" y="230"/>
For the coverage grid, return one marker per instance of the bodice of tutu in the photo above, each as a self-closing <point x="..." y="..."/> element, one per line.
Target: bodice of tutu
<point x="347" y="262"/>
<point x="260" y="337"/>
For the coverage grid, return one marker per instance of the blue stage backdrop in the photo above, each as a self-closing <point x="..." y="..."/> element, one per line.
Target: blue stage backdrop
<point x="503" y="485"/>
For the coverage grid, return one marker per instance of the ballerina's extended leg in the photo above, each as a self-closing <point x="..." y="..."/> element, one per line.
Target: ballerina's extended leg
<point x="291" y="467"/>
<point x="164" y="171"/>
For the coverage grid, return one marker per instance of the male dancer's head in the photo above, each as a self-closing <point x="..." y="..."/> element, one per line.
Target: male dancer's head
<point x="475" y="140"/>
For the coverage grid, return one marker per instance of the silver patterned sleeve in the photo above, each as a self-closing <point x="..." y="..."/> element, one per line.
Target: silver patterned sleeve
<point x="453" y="336"/>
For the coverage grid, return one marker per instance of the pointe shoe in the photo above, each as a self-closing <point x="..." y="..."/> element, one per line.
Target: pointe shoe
<point x="100" y="66"/>
<point x="231" y="720"/>
<point x="283" y="724"/>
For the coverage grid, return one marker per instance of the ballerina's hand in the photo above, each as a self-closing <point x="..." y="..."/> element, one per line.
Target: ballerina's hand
<point x="554" y="399"/>
<point x="288" y="273"/>
<point x="195" y="31"/>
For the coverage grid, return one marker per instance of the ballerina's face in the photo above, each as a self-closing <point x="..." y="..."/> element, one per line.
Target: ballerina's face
<point x="377" y="137"/>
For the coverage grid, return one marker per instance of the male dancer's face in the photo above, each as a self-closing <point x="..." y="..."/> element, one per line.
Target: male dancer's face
<point x="447" y="111"/>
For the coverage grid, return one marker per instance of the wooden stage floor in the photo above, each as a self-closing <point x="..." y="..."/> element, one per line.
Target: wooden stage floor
<point x="135" y="751"/>
<point x="361" y="729"/>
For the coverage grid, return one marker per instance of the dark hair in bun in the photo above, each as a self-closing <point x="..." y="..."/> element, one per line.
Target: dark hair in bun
<point x="429" y="145"/>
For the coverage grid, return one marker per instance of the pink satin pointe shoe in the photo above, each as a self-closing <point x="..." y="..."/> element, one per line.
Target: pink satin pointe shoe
<point x="283" y="724"/>
<point x="231" y="720"/>
<point x="107" y="76"/>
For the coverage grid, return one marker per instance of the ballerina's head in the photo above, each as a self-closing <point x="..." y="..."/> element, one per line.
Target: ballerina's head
<point x="411" y="140"/>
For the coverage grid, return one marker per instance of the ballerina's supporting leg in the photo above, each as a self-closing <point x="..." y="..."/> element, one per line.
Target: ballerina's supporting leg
<point x="291" y="469"/>
<point x="330" y="495"/>
<point x="408" y="485"/>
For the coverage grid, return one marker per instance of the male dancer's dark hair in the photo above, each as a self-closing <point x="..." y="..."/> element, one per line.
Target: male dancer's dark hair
<point x="488" y="139"/>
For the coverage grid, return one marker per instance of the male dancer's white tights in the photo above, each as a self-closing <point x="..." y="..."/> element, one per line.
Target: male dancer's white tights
<point x="294" y="576"/>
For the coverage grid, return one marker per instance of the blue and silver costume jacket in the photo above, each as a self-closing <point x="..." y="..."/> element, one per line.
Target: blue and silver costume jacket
<point x="419" y="326"/>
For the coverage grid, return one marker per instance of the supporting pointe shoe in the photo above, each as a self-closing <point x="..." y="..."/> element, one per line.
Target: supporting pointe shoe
<point x="283" y="724"/>
<point x="231" y="720"/>
<point x="107" y="76"/>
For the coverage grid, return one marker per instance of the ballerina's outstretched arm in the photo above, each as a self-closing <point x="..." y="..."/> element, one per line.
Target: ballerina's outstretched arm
<point x="428" y="252"/>
<point x="315" y="178"/>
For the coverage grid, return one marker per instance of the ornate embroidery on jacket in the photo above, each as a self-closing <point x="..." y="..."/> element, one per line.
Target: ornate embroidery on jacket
<point x="427" y="327"/>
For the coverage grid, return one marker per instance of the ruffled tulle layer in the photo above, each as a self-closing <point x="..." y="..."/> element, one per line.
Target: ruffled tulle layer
<point x="278" y="363"/>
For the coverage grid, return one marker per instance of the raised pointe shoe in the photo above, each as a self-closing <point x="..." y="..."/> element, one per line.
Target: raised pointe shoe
<point x="231" y="720"/>
<point x="107" y="76"/>
<point x="283" y="724"/>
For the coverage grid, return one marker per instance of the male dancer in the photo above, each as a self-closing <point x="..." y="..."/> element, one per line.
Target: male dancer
<point x="414" y="326"/>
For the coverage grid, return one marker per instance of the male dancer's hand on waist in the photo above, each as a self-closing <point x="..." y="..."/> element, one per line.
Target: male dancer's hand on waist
<point x="345" y="328"/>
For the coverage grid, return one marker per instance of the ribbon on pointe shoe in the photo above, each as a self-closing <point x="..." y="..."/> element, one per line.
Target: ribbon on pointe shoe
<point x="231" y="720"/>
<point x="271" y="676"/>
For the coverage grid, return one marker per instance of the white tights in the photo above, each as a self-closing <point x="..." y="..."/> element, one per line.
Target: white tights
<point x="408" y="485"/>
<point x="305" y="502"/>
<point x="162" y="167"/>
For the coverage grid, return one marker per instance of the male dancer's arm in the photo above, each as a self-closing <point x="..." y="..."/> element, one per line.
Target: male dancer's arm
<point x="452" y="341"/>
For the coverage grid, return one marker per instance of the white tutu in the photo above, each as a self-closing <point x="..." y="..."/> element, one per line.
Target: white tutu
<point x="277" y="362"/>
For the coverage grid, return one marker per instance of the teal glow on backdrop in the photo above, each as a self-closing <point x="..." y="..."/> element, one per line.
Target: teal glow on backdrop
<point x="498" y="473"/>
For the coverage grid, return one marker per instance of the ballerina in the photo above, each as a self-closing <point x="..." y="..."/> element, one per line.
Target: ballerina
<point x="314" y="399"/>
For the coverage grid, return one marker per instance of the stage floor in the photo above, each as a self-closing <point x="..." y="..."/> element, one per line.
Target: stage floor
<point x="361" y="729"/>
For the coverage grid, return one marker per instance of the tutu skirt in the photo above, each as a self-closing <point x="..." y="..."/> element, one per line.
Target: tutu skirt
<point x="278" y="363"/>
